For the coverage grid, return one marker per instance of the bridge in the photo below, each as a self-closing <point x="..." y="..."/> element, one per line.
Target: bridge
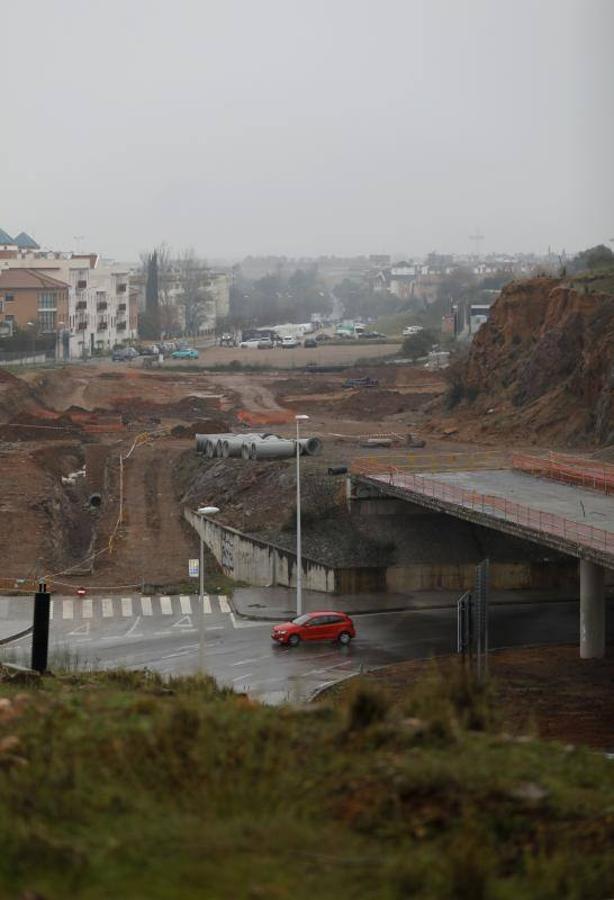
<point x="562" y="502"/>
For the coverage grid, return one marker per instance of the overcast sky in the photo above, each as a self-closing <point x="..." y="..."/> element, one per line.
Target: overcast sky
<point x="303" y="127"/>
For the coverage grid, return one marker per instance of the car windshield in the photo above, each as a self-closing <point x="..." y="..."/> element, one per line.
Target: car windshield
<point x="301" y="620"/>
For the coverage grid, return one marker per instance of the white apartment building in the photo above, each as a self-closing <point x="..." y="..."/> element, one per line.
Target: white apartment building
<point x="99" y="310"/>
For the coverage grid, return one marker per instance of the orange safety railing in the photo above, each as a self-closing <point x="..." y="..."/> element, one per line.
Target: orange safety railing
<point x="568" y="469"/>
<point x="510" y="511"/>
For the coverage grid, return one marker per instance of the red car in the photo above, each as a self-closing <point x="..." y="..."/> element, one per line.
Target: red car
<point x="324" y="625"/>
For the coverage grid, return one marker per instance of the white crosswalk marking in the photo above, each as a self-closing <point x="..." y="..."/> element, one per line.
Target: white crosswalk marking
<point x="67" y="609"/>
<point x="87" y="609"/>
<point x="186" y="605"/>
<point x="107" y="607"/>
<point x="224" y="607"/>
<point x="146" y="606"/>
<point x="206" y="604"/>
<point x="166" y="606"/>
<point x="126" y="606"/>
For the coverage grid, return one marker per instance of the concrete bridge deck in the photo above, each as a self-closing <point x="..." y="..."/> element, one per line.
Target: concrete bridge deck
<point x="572" y="519"/>
<point x="575" y="520"/>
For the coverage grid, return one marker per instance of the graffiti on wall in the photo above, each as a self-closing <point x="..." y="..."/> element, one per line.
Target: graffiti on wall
<point x="228" y="553"/>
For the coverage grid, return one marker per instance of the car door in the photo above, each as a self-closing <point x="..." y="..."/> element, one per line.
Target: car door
<point x="315" y="628"/>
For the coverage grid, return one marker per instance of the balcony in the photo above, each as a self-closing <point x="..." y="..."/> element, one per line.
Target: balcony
<point x="81" y="304"/>
<point x="121" y="326"/>
<point x="121" y="307"/>
<point x="81" y="326"/>
<point x="81" y="285"/>
<point x="121" y="288"/>
<point x="102" y="305"/>
<point x="102" y="326"/>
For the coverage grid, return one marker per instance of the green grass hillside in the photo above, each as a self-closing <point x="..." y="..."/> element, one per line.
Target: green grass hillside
<point x="120" y="785"/>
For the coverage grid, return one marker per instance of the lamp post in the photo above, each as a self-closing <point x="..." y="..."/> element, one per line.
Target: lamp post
<point x="299" y="555"/>
<point x="202" y="511"/>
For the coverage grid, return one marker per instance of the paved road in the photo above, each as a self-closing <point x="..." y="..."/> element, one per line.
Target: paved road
<point x="171" y="635"/>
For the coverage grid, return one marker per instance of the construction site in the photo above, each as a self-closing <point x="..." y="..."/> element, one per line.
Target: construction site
<point x="103" y="464"/>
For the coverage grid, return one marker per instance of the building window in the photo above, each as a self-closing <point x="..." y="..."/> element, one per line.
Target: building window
<point x="47" y="302"/>
<point x="9" y="297"/>
<point x="46" y="320"/>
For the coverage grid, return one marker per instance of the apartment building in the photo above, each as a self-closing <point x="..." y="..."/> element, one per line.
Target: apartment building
<point x="99" y="314"/>
<point x="29" y="297"/>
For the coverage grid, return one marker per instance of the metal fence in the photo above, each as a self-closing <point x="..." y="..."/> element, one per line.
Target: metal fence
<point x="501" y="507"/>
<point x="573" y="470"/>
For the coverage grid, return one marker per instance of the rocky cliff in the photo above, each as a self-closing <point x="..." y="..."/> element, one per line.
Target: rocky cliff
<point x="541" y="370"/>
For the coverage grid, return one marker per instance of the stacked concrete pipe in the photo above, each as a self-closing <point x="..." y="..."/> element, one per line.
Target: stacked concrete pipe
<point x="310" y="446"/>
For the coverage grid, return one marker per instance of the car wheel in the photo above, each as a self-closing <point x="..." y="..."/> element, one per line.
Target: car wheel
<point x="294" y="640"/>
<point x="344" y="638"/>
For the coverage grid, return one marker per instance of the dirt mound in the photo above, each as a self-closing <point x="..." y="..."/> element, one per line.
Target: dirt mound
<point x="541" y="368"/>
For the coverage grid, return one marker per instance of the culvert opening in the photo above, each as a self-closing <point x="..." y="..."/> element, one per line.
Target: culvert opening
<point x="95" y="501"/>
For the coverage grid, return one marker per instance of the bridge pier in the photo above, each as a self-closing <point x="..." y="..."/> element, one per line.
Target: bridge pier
<point x="592" y="610"/>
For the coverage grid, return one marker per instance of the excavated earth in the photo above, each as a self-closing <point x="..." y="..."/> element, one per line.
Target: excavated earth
<point x="540" y="370"/>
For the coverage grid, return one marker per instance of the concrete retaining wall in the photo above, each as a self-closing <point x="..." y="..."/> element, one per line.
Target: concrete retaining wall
<point x="259" y="562"/>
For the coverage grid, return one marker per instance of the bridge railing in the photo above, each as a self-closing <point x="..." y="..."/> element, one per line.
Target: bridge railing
<point x="509" y="510"/>
<point x="568" y="469"/>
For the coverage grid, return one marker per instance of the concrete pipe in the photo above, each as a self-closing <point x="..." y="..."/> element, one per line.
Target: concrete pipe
<point x="95" y="501"/>
<point x="273" y="449"/>
<point x="311" y="446"/>
<point x="233" y="443"/>
<point x="246" y="450"/>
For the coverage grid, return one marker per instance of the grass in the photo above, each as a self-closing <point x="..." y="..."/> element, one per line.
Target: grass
<point x="122" y="784"/>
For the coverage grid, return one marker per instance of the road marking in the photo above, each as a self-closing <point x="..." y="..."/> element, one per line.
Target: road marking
<point x="146" y="606"/>
<point x="236" y="624"/>
<point x="214" y="628"/>
<point x="206" y="604"/>
<point x="107" y="607"/>
<point x="126" y="606"/>
<point x="166" y="606"/>
<point x="183" y="622"/>
<point x="133" y="626"/>
<point x="244" y="662"/>
<point x="245" y="675"/>
<point x="87" y="609"/>
<point x="68" y="609"/>
<point x="224" y="607"/>
<point x="51" y="609"/>
<point x="81" y="629"/>
<point x="186" y="605"/>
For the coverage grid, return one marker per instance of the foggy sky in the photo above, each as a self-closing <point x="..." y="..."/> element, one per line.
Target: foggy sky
<point x="302" y="127"/>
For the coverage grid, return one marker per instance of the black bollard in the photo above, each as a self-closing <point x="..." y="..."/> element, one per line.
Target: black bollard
<point x="40" y="629"/>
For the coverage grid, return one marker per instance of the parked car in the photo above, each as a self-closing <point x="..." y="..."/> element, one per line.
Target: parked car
<point x="322" y="337"/>
<point x="123" y="354"/>
<point x="310" y="342"/>
<point x="188" y="353"/>
<point x="152" y="350"/>
<point x="265" y="344"/>
<point x="372" y="334"/>
<point x="289" y="342"/>
<point x="412" y="329"/>
<point x="249" y="345"/>
<point x="324" y="625"/>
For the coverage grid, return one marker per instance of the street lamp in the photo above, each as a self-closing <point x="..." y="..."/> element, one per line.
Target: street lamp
<point x="203" y="511"/>
<point x="299" y="556"/>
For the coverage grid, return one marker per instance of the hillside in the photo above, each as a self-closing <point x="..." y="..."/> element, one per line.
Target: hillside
<point x="120" y="784"/>
<point x="541" y="370"/>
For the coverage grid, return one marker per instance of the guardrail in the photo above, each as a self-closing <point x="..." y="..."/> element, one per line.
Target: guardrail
<point x="567" y="469"/>
<point x="510" y="511"/>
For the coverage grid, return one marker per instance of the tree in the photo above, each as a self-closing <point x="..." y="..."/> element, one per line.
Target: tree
<point x="149" y="323"/>
<point x="419" y="344"/>
<point x="599" y="257"/>
<point x="195" y="298"/>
